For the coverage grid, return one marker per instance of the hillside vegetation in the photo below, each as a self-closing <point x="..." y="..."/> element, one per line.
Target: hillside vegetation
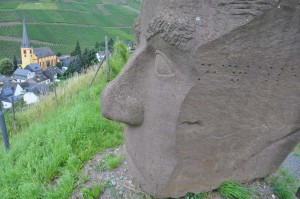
<point x="60" y="23"/>
<point x="52" y="143"/>
<point x="46" y="156"/>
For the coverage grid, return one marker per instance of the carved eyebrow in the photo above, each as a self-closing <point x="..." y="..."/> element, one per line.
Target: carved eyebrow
<point x="175" y="30"/>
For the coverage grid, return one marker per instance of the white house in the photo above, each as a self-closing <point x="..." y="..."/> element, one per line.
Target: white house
<point x="30" y="98"/>
<point x="18" y="90"/>
<point x="100" y="55"/>
<point x="6" y="105"/>
<point x="8" y="95"/>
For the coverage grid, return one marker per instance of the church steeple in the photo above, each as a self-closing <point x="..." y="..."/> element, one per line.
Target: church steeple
<point x="26" y="48"/>
<point x="25" y="39"/>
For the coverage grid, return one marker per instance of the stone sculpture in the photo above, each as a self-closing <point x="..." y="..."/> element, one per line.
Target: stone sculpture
<point x="211" y="94"/>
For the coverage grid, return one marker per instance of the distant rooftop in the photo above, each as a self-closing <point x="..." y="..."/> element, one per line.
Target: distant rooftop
<point x="21" y="72"/>
<point x="66" y="61"/>
<point x="34" y="67"/>
<point x="43" y="52"/>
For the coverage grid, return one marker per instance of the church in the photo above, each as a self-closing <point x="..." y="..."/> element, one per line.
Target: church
<point x="43" y="56"/>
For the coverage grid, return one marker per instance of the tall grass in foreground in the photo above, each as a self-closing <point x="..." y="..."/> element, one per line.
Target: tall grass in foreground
<point x="234" y="190"/>
<point x="284" y="184"/>
<point x="52" y="144"/>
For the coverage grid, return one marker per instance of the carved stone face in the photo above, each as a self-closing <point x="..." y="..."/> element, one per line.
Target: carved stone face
<point x="211" y="93"/>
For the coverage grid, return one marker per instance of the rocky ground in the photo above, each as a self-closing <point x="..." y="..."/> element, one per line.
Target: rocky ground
<point x="118" y="182"/>
<point x="292" y="163"/>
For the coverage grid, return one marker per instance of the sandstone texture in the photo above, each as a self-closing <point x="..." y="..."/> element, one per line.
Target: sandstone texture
<point x="211" y="94"/>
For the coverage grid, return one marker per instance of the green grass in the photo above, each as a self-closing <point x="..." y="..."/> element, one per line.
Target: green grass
<point x="134" y="3"/>
<point x="234" y="190"/>
<point x="8" y="5"/>
<point x="110" y="161"/>
<point x="196" y="196"/>
<point x="73" y="17"/>
<point x="37" y="5"/>
<point x="51" y="144"/>
<point x="297" y="151"/>
<point x="11" y="48"/>
<point x="89" y="8"/>
<point x="115" y="9"/>
<point x="93" y="191"/>
<point x="8" y="15"/>
<point x="284" y="185"/>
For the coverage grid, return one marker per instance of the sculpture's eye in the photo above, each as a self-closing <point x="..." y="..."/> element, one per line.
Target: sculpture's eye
<point x="163" y="65"/>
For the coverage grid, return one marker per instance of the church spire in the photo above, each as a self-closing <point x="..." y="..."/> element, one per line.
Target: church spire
<point x="25" y="40"/>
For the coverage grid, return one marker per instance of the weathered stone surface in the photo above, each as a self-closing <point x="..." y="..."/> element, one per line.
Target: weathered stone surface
<point x="212" y="93"/>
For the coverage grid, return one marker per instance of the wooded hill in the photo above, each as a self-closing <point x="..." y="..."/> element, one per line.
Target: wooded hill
<point x="60" y="23"/>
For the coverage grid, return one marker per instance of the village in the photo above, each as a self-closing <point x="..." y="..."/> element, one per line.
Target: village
<point x="40" y="68"/>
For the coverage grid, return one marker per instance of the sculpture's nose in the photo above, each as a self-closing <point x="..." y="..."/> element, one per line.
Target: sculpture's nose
<point x="120" y="100"/>
<point x="121" y="106"/>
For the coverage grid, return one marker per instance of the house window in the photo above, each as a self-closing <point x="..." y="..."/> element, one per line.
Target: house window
<point x="24" y="51"/>
<point x="30" y="52"/>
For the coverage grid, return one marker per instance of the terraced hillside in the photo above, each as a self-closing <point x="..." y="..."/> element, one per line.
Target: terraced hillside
<point x="60" y="23"/>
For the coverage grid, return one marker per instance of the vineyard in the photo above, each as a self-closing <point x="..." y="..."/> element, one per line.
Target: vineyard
<point x="59" y="24"/>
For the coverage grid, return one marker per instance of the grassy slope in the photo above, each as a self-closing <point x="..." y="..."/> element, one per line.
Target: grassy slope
<point x="46" y="157"/>
<point x="63" y="23"/>
<point x="297" y="151"/>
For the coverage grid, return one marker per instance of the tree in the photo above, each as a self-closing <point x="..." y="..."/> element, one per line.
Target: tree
<point x="77" y="50"/>
<point x="97" y="45"/>
<point x="83" y="61"/>
<point x="88" y="58"/>
<point x="75" y="65"/>
<point x="59" y="65"/>
<point x="6" y="67"/>
<point x="119" y="57"/>
<point x="110" y="44"/>
<point x="100" y="46"/>
<point x="15" y="62"/>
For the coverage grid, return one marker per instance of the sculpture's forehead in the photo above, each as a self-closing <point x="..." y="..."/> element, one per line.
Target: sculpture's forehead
<point x="184" y="23"/>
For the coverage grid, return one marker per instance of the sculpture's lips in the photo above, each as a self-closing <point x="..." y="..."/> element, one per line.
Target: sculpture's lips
<point x="122" y="107"/>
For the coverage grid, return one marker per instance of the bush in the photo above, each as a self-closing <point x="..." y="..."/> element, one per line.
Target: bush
<point x="119" y="58"/>
<point x="6" y="67"/>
